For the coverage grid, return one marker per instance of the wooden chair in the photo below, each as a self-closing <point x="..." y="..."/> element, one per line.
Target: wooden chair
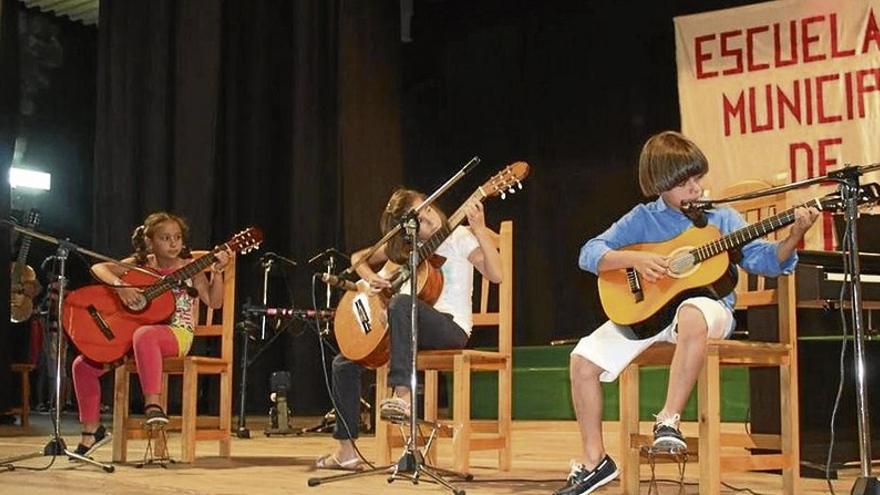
<point x="24" y="412"/>
<point x="781" y="353"/>
<point x="193" y="428"/>
<point x="467" y="435"/>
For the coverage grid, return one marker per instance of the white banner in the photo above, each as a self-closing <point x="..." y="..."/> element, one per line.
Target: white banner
<point x="782" y="91"/>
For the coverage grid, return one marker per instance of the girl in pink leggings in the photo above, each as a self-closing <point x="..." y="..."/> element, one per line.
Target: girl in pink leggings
<point x="160" y="245"/>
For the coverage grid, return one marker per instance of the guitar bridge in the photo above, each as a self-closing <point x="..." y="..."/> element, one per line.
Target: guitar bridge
<point x="102" y="324"/>
<point x="635" y="285"/>
<point x="361" y="308"/>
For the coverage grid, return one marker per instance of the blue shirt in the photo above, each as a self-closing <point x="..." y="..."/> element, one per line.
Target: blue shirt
<point x="657" y="222"/>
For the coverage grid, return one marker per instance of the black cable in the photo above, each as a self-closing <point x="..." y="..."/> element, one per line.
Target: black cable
<point x="339" y="416"/>
<point x="845" y="247"/>
<point x="737" y="489"/>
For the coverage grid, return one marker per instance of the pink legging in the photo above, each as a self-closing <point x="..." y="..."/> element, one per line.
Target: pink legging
<point x="151" y="343"/>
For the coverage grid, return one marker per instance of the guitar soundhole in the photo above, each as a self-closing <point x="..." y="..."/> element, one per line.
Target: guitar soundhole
<point x="682" y="265"/>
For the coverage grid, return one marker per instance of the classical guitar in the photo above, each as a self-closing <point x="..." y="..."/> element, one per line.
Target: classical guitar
<point x="25" y="285"/>
<point x="360" y="323"/>
<point x="101" y="326"/>
<point x="699" y="264"/>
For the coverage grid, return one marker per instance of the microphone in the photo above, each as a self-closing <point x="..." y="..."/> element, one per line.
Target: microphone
<point x="338" y="282"/>
<point x="270" y="256"/>
<point x="696" y="213"/>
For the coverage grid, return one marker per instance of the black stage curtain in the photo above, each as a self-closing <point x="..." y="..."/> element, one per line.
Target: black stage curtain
<point x="274" y="113"/>
<point x="572" y="87"/>
<point x="9" y="91"/>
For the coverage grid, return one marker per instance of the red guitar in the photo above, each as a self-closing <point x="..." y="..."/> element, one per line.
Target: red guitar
<point x="102" y="327"/>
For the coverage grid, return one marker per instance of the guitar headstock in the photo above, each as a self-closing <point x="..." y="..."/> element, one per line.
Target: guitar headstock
<point x="868" y="193"/>
<point x="506" y="181"/>
<point x="246" y="241"/>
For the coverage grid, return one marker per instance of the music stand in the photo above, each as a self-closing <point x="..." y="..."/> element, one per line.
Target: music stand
<point x="411" y="464"/>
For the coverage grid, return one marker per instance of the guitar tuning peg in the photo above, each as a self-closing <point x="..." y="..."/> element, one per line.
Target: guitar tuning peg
<point x="511" y="190"/>
<point x="519" y="184"/>
<point x="503" y="195"/>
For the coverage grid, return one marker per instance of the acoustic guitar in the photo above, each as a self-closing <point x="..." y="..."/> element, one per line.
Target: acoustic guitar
<point x="360" y="322"/>
<point x="699" y="264"/>
<point x="25" y="285"/>
<point x="101" y="326"/>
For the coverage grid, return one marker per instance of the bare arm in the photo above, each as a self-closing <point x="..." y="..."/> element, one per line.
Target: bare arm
<point x="804" y="219"/>
<point x="486" y="258"/>
<point x="366" y="271"/>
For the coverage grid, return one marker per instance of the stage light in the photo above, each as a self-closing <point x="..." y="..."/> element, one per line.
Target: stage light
<point x="29" y="179"/>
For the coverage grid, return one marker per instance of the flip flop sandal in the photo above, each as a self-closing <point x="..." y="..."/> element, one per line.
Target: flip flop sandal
<point x="330" y="461"/>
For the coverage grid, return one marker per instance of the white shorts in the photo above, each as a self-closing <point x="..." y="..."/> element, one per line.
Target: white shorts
<point x="612" y="347"/>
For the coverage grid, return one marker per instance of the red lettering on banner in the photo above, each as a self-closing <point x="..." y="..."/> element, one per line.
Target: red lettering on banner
<point x="750" y="48"/>
<point x="702" y="56"/>
<point x="735" y="53"/>
<point x="862" y="88"/>
<point x="807" y="40"/>
<point x="808" y="96"/>
<point x="847" y="80"/>
<point x="792" y="45"/>
<point x="768" y="109"/>
<point x="734" y="111"/>
<point x="872" y="33"/>
<point x="835" y="39"/>
<point x="793" y="105"/>
<point x="820" y="99"/>
<point x="793" y="150"/>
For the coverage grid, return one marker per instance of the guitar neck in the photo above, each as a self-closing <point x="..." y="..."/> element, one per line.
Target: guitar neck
<point x="175" y="278"/>
<point x="749" y="233"/>
<point x="428" y="247"/>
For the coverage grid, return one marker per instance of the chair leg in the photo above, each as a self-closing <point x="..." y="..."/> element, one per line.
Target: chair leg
<point x="461" y="415"/>
<point x="505" y="414"/>
<point x="25" y="398"/>
<point x="120" y="413"/>
<point x="188" y="413"/>
<point x="629" y="426"/>
<point x="226" y="411"/>
<point x="709" y="404"/>
<point x="383" y="432"/>
<point x="431" y="377"/>
<point x="790" y="427"/>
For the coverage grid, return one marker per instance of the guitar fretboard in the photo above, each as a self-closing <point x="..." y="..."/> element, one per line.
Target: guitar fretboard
<point x="749" y="233"/>
<point x="175" y="278"/>
<point x="427" y="248"/>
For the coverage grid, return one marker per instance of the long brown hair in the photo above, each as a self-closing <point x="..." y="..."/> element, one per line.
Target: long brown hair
<point x="402" y="200"/>
<point x="148" y="230"/>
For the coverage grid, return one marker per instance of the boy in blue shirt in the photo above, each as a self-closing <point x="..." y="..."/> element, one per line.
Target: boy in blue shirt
<point x="673" y="168"/>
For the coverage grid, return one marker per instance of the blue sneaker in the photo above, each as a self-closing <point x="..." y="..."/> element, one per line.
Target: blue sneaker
<point x="581" y="482"/>
<point x="667" y="436"/>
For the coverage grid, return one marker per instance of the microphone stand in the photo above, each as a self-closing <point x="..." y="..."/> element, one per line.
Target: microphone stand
<point x="56" y="445"/>
<point x="850" y="189"/>
<point x="411" y="464"/>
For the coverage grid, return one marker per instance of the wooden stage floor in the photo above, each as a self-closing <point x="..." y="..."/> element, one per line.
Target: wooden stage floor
<point x="283" y="465"/>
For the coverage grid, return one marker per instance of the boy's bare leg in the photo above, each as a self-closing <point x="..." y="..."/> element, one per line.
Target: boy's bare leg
<point x="586" y="393"/>
<point x="690" y="354"/>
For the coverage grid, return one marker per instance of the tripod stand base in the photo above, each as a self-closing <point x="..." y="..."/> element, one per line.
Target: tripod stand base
<point x="243" y="432"/>
<point x="55" y="447"/>
<point x="866" y="486"/>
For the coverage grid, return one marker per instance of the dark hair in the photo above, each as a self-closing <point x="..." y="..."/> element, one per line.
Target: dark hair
<point x="668" y="159"/>
<point x="148" y="229"/>
<point x="401" y="201"/>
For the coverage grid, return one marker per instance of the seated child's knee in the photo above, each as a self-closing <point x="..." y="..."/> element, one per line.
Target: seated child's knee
<point x="582" y="368"/>
<point x="691" y="322"/>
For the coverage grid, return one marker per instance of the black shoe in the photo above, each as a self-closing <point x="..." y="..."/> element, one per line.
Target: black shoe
<point x="582" y="482"/>
<point x="101" y="435"/>
<point x="667" y="436"/>
<point x="155" y="415"/>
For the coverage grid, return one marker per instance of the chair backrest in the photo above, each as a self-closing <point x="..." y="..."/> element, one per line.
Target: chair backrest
<point x="208" y="325"/>
<point x="499" y="315"/>
<point x="755" y="290"/>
